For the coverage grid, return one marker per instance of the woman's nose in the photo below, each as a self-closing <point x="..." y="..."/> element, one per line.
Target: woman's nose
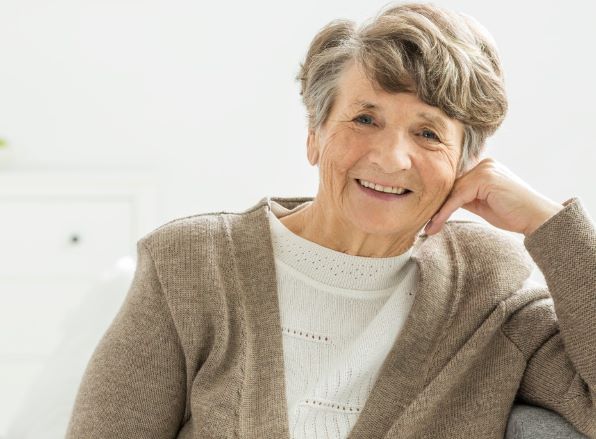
<point x="393" y="154"/>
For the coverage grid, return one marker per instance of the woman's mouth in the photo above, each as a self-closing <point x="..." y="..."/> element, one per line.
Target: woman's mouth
<point x="382" y="195"/>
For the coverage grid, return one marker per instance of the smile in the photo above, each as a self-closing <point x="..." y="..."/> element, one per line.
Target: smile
<point x="381" y="188"/>
<point x="389" y="196"/>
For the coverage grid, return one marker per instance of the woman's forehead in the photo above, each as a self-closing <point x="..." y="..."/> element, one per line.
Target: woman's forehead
<point x="358" y="93"/>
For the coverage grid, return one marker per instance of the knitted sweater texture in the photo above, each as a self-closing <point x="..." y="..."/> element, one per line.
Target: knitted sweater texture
<point x="196" y="350"/>
<point x="340" y="315"/>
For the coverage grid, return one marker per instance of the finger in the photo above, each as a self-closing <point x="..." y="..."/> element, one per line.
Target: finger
<point x="461" y="195"/>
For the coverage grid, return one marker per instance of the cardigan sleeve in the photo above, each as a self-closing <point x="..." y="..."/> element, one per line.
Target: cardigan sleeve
<point x="134" y="383"/>
<point x="557" y="334"/>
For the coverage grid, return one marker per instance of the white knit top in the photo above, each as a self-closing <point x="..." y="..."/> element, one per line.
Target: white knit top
<point x="340" y="315"/>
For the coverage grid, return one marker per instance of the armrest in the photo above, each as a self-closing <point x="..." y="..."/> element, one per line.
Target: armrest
<point x="530" y="422"/>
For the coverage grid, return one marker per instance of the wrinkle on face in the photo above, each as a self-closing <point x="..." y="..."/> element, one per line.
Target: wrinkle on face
<point x="342" y="216"/>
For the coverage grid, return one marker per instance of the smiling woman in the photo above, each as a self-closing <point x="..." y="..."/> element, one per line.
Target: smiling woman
<point x="334" y="316"/>
<point x="397" y="141"/>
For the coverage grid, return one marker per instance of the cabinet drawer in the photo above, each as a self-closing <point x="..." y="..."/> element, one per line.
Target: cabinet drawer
<point x="63" y="236"/>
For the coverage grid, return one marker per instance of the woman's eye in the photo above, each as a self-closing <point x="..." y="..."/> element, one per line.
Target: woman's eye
<point x="364" y="119"/>
<point x="433" y="135"/>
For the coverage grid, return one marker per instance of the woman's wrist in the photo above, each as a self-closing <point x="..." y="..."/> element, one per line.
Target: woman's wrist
<point x="543" y="215"/>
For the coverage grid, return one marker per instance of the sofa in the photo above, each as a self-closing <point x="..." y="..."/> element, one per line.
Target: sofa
<point x="530" y="422"/>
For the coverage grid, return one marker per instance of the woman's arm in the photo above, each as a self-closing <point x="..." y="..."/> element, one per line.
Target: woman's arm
<point x="558" y="335"/>
<point x="135" y="383"/>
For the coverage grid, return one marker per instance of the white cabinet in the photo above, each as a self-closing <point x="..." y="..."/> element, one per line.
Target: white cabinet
<point x="59" y="234"/>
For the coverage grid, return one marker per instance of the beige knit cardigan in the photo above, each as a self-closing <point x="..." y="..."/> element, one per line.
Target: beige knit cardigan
<point x="195" y="351"/>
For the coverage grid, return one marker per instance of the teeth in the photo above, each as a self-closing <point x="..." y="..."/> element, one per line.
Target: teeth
<point x="378" y="187"/>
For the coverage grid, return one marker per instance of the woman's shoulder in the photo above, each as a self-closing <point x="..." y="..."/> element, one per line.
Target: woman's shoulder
<point x="482" y="244"/>
<point x="494" y="266"/>
<point x="477" y="234"/>
<point x="209" y="225"/>
<point x="185" y="233"/>
<point x="200" y="225"/>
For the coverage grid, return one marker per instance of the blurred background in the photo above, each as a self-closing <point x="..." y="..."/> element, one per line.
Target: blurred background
<point x="119" y="116"/>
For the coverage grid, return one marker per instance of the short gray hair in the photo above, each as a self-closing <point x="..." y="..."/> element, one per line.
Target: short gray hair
<point x="448" y="59"/>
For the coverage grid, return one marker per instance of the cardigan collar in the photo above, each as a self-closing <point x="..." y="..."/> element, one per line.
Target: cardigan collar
<point x="403" y="373"/>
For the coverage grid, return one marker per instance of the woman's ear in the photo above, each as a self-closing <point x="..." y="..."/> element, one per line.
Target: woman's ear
<point x="312" y="148"/>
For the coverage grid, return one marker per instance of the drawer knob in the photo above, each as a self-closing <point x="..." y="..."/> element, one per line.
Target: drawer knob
<point x="74" y="239"/>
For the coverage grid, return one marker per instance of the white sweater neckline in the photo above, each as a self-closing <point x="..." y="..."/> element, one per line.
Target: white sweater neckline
<point x="332" y="267"/>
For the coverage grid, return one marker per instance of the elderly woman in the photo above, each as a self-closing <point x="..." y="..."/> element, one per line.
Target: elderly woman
<point x="351" y="314"/>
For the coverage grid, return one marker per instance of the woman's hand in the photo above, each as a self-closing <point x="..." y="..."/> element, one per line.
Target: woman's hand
<point x="493" y="192"/>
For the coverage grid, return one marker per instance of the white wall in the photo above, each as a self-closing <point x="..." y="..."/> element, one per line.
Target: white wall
<point x="203" y="92"/>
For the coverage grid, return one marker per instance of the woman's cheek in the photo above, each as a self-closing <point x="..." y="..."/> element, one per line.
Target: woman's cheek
<point x="327" y="172"/>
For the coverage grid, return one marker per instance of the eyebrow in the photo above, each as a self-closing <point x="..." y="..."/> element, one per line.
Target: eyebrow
<point x="437" y="120"/>
<point x="433" y="119"/>
<point x="366" y="105"/>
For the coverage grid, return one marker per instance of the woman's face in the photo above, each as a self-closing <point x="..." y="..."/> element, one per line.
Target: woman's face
<point x="400" y="142"/>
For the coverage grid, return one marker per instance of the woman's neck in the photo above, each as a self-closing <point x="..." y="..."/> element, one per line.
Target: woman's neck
<point x="313" y="225"/>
